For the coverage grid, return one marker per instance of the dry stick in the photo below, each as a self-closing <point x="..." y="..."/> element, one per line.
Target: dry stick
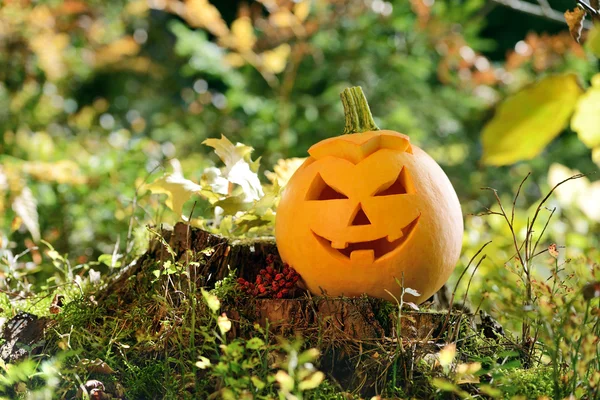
<point x="465" y="296"/>
<point x="542" y="234"/>
<point x="537" y="211"/>
<point x="514" y="204"/>
<point x="447" y="320"/>
<point x="512" y="230"/>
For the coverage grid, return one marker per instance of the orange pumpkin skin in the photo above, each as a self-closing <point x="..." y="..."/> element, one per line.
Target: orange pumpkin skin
<point x="367" y="208"/>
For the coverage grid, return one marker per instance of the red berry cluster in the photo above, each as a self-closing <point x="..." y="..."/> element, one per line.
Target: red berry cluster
<point x="271" y="283"/>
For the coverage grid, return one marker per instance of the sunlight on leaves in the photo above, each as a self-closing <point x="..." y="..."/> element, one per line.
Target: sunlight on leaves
<point x="530" y="118"/>
<point x="239" y="168"/>
<point x="178" y="190"/>
<point x="579" y="193"/>
<point x="586" y="120"/>
<point x="283" y="170"/>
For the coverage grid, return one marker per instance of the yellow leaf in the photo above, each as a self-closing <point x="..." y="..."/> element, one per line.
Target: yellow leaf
<point x="177" y="188"/>
<point x="200" y="13"/>
<point x="274" y="61"/>
<point x="283" y="170"/>
<point x="282" y="19"/>
<point x="117" y="50"/>
<point x="446" y="355"/>
<point x="235" y="60"/>
<point x="302" y="9"/>
<point x="586" y="120"/>
<point x="527" y="121"/>
<point x="243" y="34"/>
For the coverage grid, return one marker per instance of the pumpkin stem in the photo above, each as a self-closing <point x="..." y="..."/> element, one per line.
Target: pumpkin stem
<point x="356" y="111"/>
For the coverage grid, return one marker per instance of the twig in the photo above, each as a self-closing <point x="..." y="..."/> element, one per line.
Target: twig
<point x="539" y="11"/>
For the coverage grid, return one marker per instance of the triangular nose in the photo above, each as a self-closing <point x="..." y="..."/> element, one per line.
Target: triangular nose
<point x="360" y="218"/>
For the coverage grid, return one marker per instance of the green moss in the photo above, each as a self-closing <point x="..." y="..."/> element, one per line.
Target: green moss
<point x="530" y="383"/>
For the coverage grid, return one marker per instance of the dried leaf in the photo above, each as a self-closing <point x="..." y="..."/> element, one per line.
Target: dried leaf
<point x="97" y="366"/>
<point x="575" y="21"/>
<point x="586" y="119"/>
<point x="591" y="290"/>
<point x="25" y="206"/>
<point x="553" y="250"/>
<point x="56" y="304"/>
<point x="527" y="121"/>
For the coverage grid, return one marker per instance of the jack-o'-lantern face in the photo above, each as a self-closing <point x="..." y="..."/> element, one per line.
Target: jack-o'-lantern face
<point x="357" y="216"/>
<point x="367" y="209"/>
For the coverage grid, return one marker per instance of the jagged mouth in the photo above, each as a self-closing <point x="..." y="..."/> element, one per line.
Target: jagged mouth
<point x="368" y="251"/>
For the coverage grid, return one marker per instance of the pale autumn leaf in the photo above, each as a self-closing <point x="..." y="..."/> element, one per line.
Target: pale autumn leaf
<point x="586" y="120"/>
<point x="239" y="167"/>
<point x="284" y="169"/>
<point x="224" y="323"/>
<point x="447" y="354"/>
<point x="200" y="13"/>
<point x="286" y="382"/>
<point x="25" y="206"/>
<point x="212" y="301"/>
<point x="575" y="22"/>
<point x="178" y="190"/>
<point x="528" y="120"/>
<point x="312" y="381"/>
<point x="203" y="362"/>
<point x="242" y="32"/>
<point x="275" y="61"/>
<point x="302" y="9"/>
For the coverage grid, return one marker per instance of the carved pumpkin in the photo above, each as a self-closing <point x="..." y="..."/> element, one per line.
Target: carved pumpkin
<point x="368" y="208"/>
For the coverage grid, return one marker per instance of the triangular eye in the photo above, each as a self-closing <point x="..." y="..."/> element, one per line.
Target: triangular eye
<point x="401" y="185"/>
<point x="320" y="190"/>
